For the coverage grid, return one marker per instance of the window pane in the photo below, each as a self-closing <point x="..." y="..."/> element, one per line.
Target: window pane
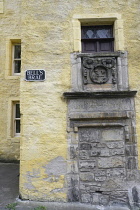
<point x="89" y="46"/>
<point x="17" y="51"/>
<point x="105" y="46"/>
<point x="17" y="111"/>
<point x="97" y="38"/>
<point x="88" y="32"/>
<point x="92" y="32"/>
<point x="103" y="33"/>
<point x="17" y="66"/>
<point x="17" y="126"/>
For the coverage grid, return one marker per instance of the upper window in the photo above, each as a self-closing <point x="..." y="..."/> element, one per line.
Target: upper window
<point x="16" y="59"/>
<point x="97" y="38"/>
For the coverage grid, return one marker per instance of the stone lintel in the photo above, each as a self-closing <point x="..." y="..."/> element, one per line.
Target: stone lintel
<point x="100" y="115"/>
<point x="101" y="54"/>
<point x="106" y="94"/>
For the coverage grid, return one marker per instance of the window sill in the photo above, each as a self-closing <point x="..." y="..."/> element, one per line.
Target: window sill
<point x="15" y="139"/>
<point x="99" y="54"/>
<point x="13" y="77"/>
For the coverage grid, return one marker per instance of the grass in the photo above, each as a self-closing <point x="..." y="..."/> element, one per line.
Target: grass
<point x="40" y="208"/>
<point x="11" y="206"/>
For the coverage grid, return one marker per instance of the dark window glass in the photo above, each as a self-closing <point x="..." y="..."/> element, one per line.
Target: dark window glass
<point x="17" y="111"/>
<point x="17" y="59"/>
<point x="17" y="51"/>
<point x="90" y="46"/>
<point x="17" y="126"/>
<point x="17" y="66"/>
<point x="90" y="32"/>
<point x="17" y="118"/>
<point x="97" y="38"/>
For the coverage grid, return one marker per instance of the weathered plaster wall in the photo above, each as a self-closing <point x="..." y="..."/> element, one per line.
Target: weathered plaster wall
<point x="46" y="32"/>
<point x="46" y="46"/>
<point x="9" y="28"/>
<point x="47" y="39"/>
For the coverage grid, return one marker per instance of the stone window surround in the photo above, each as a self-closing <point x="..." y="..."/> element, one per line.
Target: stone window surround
<point x="1" y="7"/>
<point x="10" y="126"/>
<point x="107" y="18"/>
<point x="8" y="63"/>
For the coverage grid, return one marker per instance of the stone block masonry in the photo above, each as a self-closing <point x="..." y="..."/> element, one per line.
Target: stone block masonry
<point x="103" y="146"/>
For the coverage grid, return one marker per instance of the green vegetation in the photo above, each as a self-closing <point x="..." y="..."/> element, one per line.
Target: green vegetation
<point x="40" y="208"/>
<point x="11" y="206"/>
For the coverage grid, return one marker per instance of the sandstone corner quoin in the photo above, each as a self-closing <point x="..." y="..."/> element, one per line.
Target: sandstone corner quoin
<point x="70" y="99"/>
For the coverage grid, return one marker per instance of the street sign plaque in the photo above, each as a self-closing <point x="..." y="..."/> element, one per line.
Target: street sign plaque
<point x="35" y="75"/>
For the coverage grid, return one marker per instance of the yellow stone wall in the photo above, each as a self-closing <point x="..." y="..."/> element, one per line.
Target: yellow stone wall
<point x="9" y="85"/>
<point x="1" y="6"/>
<point x="47" y="37"/>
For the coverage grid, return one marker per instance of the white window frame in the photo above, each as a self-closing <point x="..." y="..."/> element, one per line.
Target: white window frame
<point x="15" y="59"/>
<point x="15" y="119"/>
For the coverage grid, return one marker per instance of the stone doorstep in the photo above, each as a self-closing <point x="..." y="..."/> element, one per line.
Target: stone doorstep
<point x="25" y="205"/>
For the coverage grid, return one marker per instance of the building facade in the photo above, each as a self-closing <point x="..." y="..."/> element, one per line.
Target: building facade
<point x="69" y="108"/>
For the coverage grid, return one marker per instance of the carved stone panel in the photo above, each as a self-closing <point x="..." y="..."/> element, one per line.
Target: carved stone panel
<point x="99" y="70"/>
